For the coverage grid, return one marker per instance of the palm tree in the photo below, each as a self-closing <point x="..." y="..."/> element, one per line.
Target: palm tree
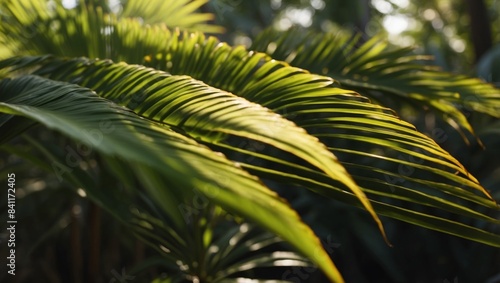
<point x="177" y="135"/>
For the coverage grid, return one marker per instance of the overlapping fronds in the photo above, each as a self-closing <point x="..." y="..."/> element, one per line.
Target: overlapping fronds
<point x="373" y="144"/>
<point x="159" y="156"/>
<point x="193" y="97"/>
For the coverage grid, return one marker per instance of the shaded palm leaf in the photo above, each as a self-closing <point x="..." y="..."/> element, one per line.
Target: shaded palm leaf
<point x="159" y="156"/>
<point x="146" y="221"/>
<point x="121" y="205"/>
<point x="243" y="248"/>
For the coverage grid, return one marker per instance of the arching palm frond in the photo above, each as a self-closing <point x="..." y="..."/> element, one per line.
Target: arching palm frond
<point x="203" y="112"/>
<point x="159" y="156"/>
<point x="382" y="73"/>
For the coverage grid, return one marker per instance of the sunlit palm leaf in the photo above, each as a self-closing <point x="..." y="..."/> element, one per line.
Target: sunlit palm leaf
<point x="382" y="73"/>
<point x="159" y="156"/>
<point x="33" y="28"/>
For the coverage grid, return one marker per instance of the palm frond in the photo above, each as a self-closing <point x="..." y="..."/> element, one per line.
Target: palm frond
<point x="245" y="252"/>
<point x="34" y="28"/>
<point x="121" y="205"/>
<point x="160" y="157"/>
<point x="227" y="248"/>
<point x="357" y="131"/>
<point x="383" y="73"/>
<point x="203" y="112"/>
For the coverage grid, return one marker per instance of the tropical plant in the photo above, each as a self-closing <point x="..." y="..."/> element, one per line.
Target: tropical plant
<point x="177" y="135"/>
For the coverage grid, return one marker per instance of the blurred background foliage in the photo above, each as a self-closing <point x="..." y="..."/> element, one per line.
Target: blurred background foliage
<point x="463" y="36"/>
<point x="442" y="28"/>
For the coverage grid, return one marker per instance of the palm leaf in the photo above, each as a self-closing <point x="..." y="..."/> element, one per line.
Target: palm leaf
<point x="143" y="219"/>
<point x="52" y="158"/>
<point x="242" y="248"/>
<point x="36" y="29"/>
<point x="159" y="156"/>
<point x="383" y="73"/>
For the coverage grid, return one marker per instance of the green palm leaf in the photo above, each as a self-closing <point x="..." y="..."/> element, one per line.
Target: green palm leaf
<point x="159" y="156"/>
<point x="144" y="220"/>
<point x="239" y="249"/>
<point x="122" y="206"/>
<point x="382" y="73"/>
<point x="34" y="28"/>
